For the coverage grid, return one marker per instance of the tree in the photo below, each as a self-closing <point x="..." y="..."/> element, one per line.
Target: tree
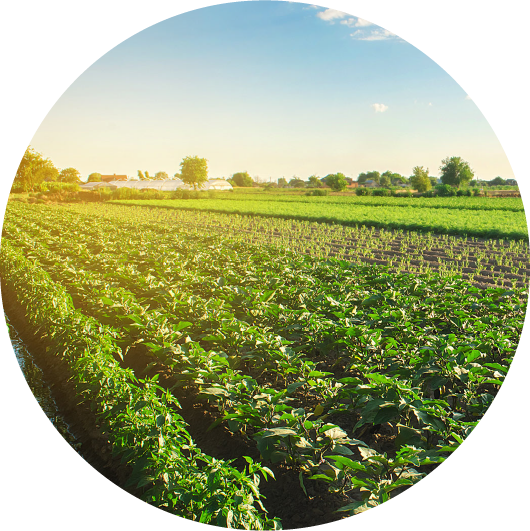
<point x="456" y="171"/>
<point x="32" y="170"/>
<point x="141" y="176"/>
<point x="420" y="179"/>
<point x="176" y="176"/>
<point x="147" y="176"/>
<point x="314" y="182"/>
<point x="369" y="176"/>
<point x="296" y="182"/>
<point x="434" y="180"/>
<point x="161" y="176"/>
<point x="242" y="179"/>
<point x="498" y="181"/>
<point x="336" y="181"/>
<point x="194" y="171"/>
<point x="282" y="182"/>
<point x="70" y="175"/>
<point x="385" y="180"/>
<point x="94" y="178"/>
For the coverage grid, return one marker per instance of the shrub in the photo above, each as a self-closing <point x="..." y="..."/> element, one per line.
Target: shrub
<point x="381" y="192"/>
<point x="445" y="190"/>
<point x="363" y="191"/>
<point x="318" y="192"/>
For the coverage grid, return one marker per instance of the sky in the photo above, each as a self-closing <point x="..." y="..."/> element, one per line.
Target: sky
<point x="277" y="89"/>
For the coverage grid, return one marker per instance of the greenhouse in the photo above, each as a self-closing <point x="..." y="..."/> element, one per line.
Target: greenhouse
<point x="168" y="185"/>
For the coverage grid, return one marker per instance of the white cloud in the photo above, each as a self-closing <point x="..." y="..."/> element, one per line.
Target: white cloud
<point x="361" y="22"/>
<point x="374" y="35"/>
<point x="331" y="14"/>
<point x="356" y="22"/>
<point x="379" y="107"/>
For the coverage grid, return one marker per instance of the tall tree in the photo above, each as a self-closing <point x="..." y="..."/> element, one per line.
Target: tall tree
<point x="194" y="171"/>
<point x="33" y="169"/>
<point x="282" y="182"/>
<point x="336" y="181"/>
<point x="69" y="175"/>
<point x="456" y="171"/>
<point x="94" y="178"/>
<point x="420" y="179"/>
<point x="161" y="176"/>
<point x="147" y="176"/>
<point x="141" y="176"/>
<point x="242" y="179"/>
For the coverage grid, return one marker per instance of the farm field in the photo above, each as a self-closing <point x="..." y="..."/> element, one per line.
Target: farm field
<point x="491" y="223"/>
<point x="513" y="204"/>
<point x="483" y="262"/>
<point x="350" y="382"/>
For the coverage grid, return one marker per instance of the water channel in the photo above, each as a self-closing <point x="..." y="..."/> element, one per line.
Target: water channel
<point x="39" y="386"/>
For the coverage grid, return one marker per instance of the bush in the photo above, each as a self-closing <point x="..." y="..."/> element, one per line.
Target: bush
<point x="363" y="191"/>
<point x="318" y="192"/>
<point x="445" y="190"/>
<point x="476" y="192"/>
<point x="382" y="192"/>
<point x="461" y="193"/>
<point x="428" y="193"/>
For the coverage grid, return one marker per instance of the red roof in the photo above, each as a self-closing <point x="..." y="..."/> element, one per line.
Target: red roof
<point x="108" y="178"/>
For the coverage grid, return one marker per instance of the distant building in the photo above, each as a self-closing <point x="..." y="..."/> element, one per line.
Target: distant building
<point x="370" y="183"/>
<point x="353" y="184"/>
<point x="511" y="182"/>
<point x="109" y="178"/>
<point x="168" y="185"/>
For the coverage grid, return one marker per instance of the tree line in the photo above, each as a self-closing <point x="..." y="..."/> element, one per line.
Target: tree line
<point x="455" y="172"/>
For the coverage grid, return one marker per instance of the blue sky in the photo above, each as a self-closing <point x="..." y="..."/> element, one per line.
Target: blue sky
<point x="272" y="88"/>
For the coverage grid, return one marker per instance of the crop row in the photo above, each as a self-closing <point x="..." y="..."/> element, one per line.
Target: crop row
<point x="289" y="348"/>
<point x="485" y="263"/>
<point x="513" y="204"/>
<point x="493" y="223"/>
<point x="140" y="418"/>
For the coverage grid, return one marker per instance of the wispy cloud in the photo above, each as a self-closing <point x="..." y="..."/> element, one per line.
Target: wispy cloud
<point x="312" y="6"/>
<point x="331" y="14"/>
<point x="379" y="107"/>
<point x="380" y="34"/>
<point x="364" y="33"/>
<point x="356" y="22"/>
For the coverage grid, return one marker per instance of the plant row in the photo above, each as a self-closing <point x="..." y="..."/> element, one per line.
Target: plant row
<point x="482" y="262"/>
<point x="290" y="348"/>
<point x="513" y="204"/>
<point x="494" y="223"/>
<point x="140" y="418"/>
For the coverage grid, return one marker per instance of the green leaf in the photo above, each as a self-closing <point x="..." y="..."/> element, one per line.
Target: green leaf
<point x="385" y="414"/>
<point x="346" y="462"/>
<point x="278" y="432"/>
<point x="181" y="325"/>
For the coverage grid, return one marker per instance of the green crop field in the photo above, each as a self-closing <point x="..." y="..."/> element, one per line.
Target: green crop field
<point x="350" y="381"/>
<point x="482" y="223"/>
<point x="514" y="204"/>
